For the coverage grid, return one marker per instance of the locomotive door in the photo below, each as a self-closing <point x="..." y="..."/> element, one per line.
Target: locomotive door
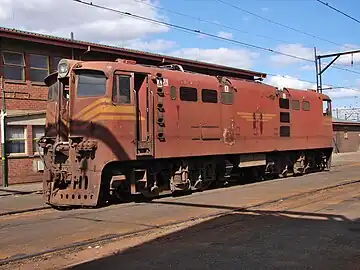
<point x="227" y="112"/>
<point x="143" y="104"/>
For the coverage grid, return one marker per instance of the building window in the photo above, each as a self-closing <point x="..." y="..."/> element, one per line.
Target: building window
<point x="55" y="63"/>
<point x="38" y="132"/>
<point x="14" y="66"/>
<point x="15" y="139"/>
<point x="39" y="67"/>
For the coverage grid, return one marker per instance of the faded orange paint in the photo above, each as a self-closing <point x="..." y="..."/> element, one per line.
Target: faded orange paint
<point x="251" y="124"/>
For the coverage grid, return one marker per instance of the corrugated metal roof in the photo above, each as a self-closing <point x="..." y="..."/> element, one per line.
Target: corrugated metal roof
<point x="343" y="121"/>
<point x="67" y="42"/>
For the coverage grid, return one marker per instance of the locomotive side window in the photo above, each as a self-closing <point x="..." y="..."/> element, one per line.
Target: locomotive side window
<point x="306" y="105"/>
<point x="121" y="89"/>
<point x="227" y="98"/>
<point x="173" y="92"/>
<point x="284" y="131"/>
<point x="326" y="107"/>
<point x="91" y="83"/>
<point x="295" y="105"/>
<point x="209" y="96"/>
<point x="188" y="94"/>
<point x="284" y="117"/>
<point x="284" y="103"/>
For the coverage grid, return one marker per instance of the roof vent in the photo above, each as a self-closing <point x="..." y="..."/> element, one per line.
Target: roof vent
<point x="173" y="67"/>
<point x="126" y="61"/>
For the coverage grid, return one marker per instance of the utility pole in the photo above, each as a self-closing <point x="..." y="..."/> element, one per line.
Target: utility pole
<point x="320" y="71"/>
<point x="3" y="134"/>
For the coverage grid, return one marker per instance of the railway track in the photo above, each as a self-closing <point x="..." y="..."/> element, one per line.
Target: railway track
<point x="227" y="210"/>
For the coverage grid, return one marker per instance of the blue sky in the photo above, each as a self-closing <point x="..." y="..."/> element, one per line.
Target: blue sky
<point x="91" y="24"/>
<point x="305" y="15"/>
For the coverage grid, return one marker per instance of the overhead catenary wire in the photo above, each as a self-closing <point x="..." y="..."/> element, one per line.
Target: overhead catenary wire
<point x="209" y="22"/>
<point x="281" y="24"/>
<point x="339" y="11"/>
<point x="197" y="32"/>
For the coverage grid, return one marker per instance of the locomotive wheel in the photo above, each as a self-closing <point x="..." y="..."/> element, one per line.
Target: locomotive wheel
<point x="122" y="195"/>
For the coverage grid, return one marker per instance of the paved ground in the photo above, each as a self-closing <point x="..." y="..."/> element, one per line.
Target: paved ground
<point x="245" y="238"/>
<point x="315" y="237"/>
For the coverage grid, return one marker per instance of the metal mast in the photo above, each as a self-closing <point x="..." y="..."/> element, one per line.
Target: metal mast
<point x="320" y="70"/>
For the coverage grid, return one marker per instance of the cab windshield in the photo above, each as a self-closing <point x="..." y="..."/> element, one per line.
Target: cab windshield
<point x="91" y="83"/>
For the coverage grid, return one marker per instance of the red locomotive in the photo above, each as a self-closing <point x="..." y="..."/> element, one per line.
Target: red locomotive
<point x="114" y="129"/>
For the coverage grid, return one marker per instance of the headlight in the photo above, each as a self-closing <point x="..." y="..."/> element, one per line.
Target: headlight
<point x="63" y="68"/>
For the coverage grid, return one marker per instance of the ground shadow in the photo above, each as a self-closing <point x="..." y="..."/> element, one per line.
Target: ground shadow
<point x="249" y="240"/>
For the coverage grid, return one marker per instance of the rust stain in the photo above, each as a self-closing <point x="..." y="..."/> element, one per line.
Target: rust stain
<point x="229" y="133"/>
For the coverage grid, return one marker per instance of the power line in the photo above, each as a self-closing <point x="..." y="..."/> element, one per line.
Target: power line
<point x="210" y="22"/>
<point x="216" y="37"/>
<point x="280" y="24"/>
<point x="226" y="26"/>
<point x="197" y="32"/>
<point x="337" y="10"/>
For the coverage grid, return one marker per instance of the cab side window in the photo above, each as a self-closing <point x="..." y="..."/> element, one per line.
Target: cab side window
<point x="121" y="89"/>
<point x="326" y="104"/>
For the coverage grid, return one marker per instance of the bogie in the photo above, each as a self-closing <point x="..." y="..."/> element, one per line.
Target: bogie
<point x="198" y="174"/>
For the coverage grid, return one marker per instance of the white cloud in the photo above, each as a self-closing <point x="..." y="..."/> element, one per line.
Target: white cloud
<point x="292" y="49"/>
<point x="88" y="23"/>
<point x="292" y="82"/>
<point x="225" y="35"/>
<point x="239" y="58"/>
<point x="342" y="93"/>
<point x="264" y="9"/>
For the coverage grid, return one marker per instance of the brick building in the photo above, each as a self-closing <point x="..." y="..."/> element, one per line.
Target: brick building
<point x="346" y="136"/>
<point x="26" y="58"/>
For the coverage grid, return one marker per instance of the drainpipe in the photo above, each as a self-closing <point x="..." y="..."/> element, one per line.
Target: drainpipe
<point x="3" y="134"/>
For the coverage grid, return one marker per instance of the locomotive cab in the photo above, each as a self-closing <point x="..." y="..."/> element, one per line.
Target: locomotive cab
<point x="95" y="113"/>
<point x="70" y="143"/>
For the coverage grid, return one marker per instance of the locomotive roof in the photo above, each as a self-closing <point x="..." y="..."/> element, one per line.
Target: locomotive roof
<point x="140" y="56"/>
<point x="309" y="91"/>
